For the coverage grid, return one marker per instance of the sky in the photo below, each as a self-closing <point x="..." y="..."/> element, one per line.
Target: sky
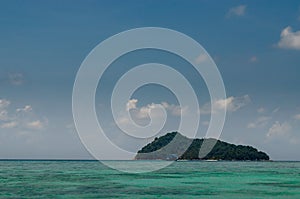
<point x="255" y="45"/>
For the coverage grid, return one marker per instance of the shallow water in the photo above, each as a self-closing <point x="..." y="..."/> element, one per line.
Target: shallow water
<point x="91" y="179"/>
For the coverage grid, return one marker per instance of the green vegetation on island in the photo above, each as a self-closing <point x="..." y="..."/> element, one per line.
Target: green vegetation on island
<point x="172" y="146"/>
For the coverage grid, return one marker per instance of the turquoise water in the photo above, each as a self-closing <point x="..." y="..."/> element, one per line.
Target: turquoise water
<point x="90" y="179"/>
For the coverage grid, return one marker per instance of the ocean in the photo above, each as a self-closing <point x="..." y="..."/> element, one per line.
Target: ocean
<point x="191" y="179"/>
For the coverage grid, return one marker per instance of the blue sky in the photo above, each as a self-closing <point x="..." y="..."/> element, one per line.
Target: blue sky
<point x="255" y="44"/>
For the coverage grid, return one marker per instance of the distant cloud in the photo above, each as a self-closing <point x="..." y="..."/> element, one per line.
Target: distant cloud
<point x="282" y="131"/>
<point x="261" y="110"/>
<point x="237" y="11"/>
<point x="7" y="125"/>
<point x="143" y="113"/>
<point x="263" y="120"/>
<point x="253" y="59"/>
<point x="26" y="120"/>
<point x="27" y="108"/>
<point x="4" y="103"/>
<point x="3" y="112"/>
<point x="201" y="58"/>
<point x="276" y="110"/>
<point x="175" y="109"/>
<point x="279" y="129"/>
<point x="289" y="39"/>
<point x="16" y="78"/>
<point x="259" y="122"/>
<point x="131" y="104"/>
<point x="37" y="124"/>
<point x="297" y="117"/>
<point x="231" y="104"/>
<point x="3" y="115"/>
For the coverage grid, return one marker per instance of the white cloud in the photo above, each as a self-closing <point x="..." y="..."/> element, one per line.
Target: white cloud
<point x="4" y="103"/>
<point x="240" y="102"/>
<point x="259" y="122"/>
<point x="16" y="78"/>
<point x="237" y="11"/>
<point x="175" y="109"/>
<point x="297" y="117"/>
<point x="37" y="124"/>
<point x="27" y="108"/>
<point x="3" y="112"/>
<point x="26" y="120"/>
<point x="8" y="125"/>
<point x="201" y="58"/>
<point x="131" y="104"/>
<point x="279" y="129"/>
<point x="3" y="115"/>
<point x="142" y="113"/>
<point x="289" y="39"/>
<point x="231" y="104"/>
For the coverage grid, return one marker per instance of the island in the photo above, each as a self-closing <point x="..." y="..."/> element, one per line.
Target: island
<point x="174" y="146"/>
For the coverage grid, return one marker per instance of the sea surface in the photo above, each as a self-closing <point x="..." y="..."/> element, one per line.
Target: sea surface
<point x="191" y="179"/>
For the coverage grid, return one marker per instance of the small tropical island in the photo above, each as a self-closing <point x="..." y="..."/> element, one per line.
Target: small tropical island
<point x="172" y="147"/>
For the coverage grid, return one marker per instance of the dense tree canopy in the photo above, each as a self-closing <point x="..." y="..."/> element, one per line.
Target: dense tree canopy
<point x="172" y="147"/>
